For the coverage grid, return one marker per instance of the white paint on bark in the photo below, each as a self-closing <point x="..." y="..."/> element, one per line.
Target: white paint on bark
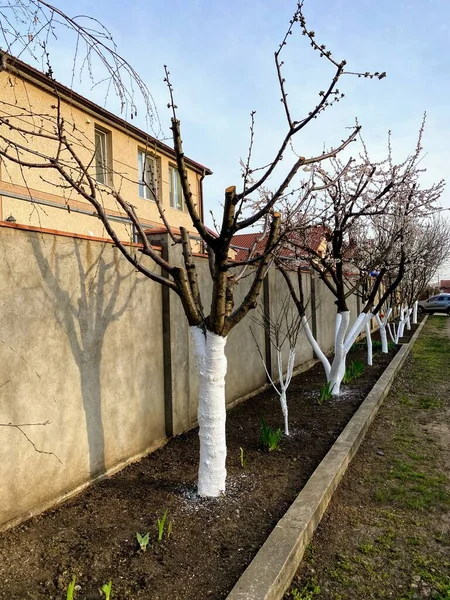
<point x="338" y="367"/>
<point x="337" y="324"/>
<point x="336" y="371"/>
<point x="356" y="329"/>
<point x="284" y="382"/>
<point x="369" y="345"/>
<point x="408" y="318"/>
<point x="209" y="352"/>
<point x="416" y="304"/>
<point x="401" y="324"/>
<point x="315" y="346"/>
<point x="384" y="327"/>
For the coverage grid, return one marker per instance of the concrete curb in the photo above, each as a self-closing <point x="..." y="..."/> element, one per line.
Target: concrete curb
<point x="270" y="573"/>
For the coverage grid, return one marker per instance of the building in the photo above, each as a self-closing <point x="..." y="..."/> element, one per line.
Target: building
<point x="250" y="245"/>
<point x="445" y="286"/>
<point x="118" y="155"/>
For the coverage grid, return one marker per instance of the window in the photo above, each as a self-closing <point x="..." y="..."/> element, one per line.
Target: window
<point x="102" y="156"/>
<point x="176" y="193"/>
<point x="147" y="175"/>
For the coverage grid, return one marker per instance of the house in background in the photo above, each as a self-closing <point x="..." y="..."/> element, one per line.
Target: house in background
<point x="120" y="156"/>
<point x="445" y="286"/>
<point x="250" y="245"/>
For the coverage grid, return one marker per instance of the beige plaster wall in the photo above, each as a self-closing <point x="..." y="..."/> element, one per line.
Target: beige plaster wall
<point x="81" y="348"/>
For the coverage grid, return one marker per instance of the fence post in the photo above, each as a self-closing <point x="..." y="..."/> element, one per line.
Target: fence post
<point x="266" y="308"/>
<point x="312" y="276"/>
<point x="162" y="239"/>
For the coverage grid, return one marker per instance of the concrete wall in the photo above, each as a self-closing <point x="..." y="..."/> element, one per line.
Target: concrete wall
<point x="103" y="356"/>
<point x="76" y="350"/>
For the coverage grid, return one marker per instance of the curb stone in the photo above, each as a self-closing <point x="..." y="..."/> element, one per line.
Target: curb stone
<point x="271" y="571"/>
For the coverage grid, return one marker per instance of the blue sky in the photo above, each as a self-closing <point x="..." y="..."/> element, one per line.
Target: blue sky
<point x="220" y="55"/>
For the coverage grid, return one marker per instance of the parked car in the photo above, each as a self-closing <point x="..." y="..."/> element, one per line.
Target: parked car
<point x="440" y="303"/>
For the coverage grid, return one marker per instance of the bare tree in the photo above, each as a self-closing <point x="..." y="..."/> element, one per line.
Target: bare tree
<point x="64" y="153"/>
<point x="283" y="328"/>
<point x="367" y="212"/>
<point x="428" y="249"/>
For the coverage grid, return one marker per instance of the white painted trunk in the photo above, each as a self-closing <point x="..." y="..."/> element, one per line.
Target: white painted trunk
<point x="416" y="304"/>
<point x="369" y="345"/>
<point x="401" y="324"/>
<point x="383" y="325"/>
<point x="408" y="318"/>
<point x="384" y="340"/>
<point x="284" y="385"/>
<point x="209" y="352"/>
<point x="315" y="346"/>
<point x="284" y="410"/>
<point x="337" y="324"/>
<point x="356" y="329"/>
<point x="338" y="367"/>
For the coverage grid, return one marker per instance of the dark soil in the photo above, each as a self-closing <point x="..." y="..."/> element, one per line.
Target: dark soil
<point x="93" y="536"/>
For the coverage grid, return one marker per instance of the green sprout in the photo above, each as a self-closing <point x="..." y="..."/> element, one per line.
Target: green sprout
<point x="106" y="590"/>
<point x="325" y="392"/>
<point x="71" y="588"/>
<point x="270" y="438"/>
<point x="242" y="457"/>
<point x="143" y="540"/>
<point x="162" y="525"/>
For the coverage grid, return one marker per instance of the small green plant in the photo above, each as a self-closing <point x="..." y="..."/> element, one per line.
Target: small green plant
<point x="325" y="392"/>
<point x="243" y="458"/>
<point x="270" y="438"/>
<point x="162" y="526"/>
<point x="353" y="371"/>
<point x="143" y="540"/>
<point x="106" y="590"/>
<point x="307" y="592"/>
<point x="71" y="588"/>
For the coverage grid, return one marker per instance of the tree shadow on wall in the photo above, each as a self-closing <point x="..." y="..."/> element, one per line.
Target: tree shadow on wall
<point x="85" y="321"/>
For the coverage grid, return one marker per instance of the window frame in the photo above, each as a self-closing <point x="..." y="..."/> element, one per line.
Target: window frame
<point x="143" y="191"/>
<point x="102" y="164"/>
<point x="174" y="175"/>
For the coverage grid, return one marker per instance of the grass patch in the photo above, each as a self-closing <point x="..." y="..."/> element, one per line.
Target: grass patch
<point x="399" y="548"/>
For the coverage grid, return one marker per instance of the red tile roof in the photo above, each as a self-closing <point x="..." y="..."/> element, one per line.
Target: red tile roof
<point x="244" y="242"/>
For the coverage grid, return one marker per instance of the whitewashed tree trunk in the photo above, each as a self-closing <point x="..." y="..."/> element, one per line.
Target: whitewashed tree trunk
<point x="284" y="383"/>
<point x="209" y="352"/>
<point x="338" y="367"/>
<point x="384" y="327"/>
<point x="416" y="304"/>
<point x="342" y="344"/>
<point x="401" y="324"/>
<point x="369" y="345"/>
<point x="356" y="329"/>
<point x="317" y="349"/>
<point x="284" y="410"/>
<point x="408" y="318"/>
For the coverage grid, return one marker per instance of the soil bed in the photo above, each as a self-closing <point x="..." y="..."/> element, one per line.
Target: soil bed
<point x="93" y="536"/>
